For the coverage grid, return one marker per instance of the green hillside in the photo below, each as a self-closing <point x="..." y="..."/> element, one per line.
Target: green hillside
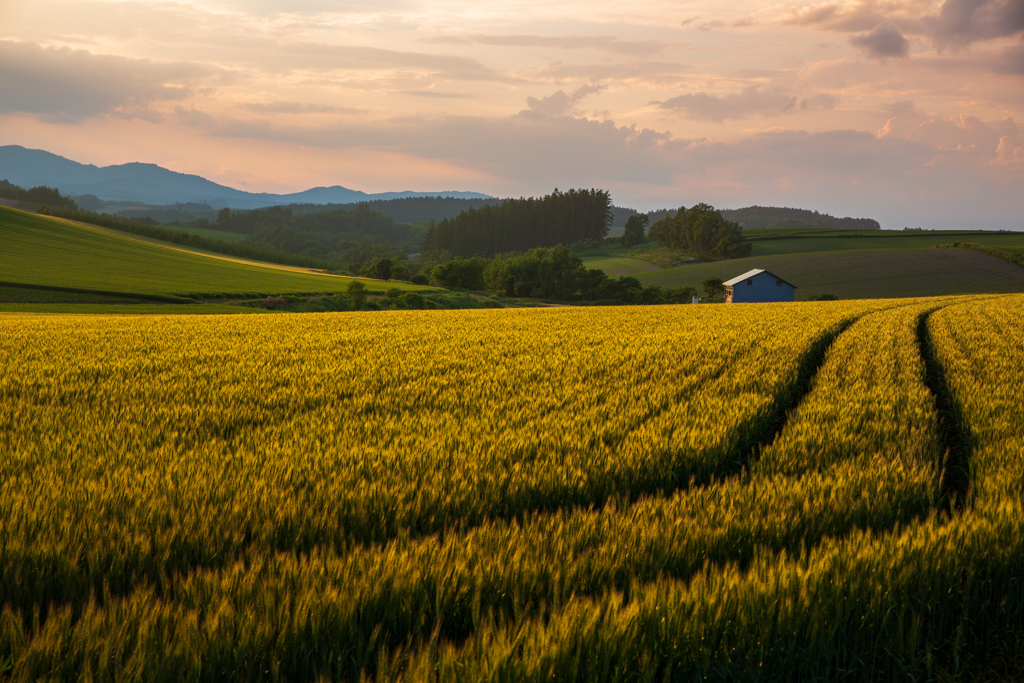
<point x="45" y="252"/>
<point x="1012" y="241"/>
<point x="619" y="266"/>
<point x="865" y="273"/>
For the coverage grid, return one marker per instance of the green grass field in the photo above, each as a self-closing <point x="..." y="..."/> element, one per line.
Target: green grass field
<point x="204" y="232"/>
<point x="882" y="240"/>
<point x="619" y="266"/>
<point x="46" y="252"/>
<point x="107" y="308"/>
<point x="866" y="273"/>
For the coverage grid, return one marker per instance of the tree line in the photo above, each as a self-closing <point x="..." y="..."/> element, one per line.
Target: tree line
<point x="140" y="227"/>
<point x="702" y="232"/>
<point x="550" y="273"/>
<point x="48" y="196"/>
<point x="525" y="223"/>
<point x="773" y="218"/>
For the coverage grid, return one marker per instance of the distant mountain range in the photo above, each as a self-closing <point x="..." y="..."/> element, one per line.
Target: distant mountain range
<point x="152" y="184"/>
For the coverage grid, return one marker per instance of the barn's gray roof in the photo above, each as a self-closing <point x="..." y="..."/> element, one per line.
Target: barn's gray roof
<point x="751" y="273"/>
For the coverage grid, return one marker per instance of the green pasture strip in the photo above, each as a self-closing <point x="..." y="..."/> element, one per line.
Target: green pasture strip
<point x="1007" y="255"/>
<point x="207" y="232"/>
<point x="934" y="600"/>
<point x="108" y="308"/>
<point x="35" y="295"/>
<point x="774" y="233"/>
<point x="619" y="266"/>
<point x="864" y="274"/>
<point x="17" y="292"/>
<point x="880" y="240"/>
<point x="662" y="257"/>
<point x="42" y="251"/>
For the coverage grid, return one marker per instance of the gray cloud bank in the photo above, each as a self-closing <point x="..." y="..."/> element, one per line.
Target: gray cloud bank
<point x="751" y="101"/>
<point x="70" y="85"/>
<point x="920" y="176"/>
<point x="571" y="42"/>
<point x="881" y="28"/>
<point x="884" y="40"/>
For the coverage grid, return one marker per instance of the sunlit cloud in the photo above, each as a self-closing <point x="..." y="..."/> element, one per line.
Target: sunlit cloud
<point x="603" y="43"/>
<point x="872" y="107"/>
<point x="67" y="84"/>
<point x="751" y="101"/>
<point x="883" y="41"/>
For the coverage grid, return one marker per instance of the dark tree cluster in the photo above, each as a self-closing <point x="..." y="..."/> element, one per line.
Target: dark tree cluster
<point x="357" y="234"/>
<point x="634" y="232"/>
<point x="550" y="273"/>
<point x="521" y="224"/>
<point x="780" y="218"/>
<point x="382" y="269"/>
<point x="406" y="209"/>
<point x="47" y="196"/>
<point x="701" y="231"/>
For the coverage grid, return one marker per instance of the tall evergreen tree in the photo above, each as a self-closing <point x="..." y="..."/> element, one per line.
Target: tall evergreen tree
<point x="525" y="223"/>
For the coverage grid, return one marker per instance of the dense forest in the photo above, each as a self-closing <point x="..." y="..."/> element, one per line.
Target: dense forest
<point x="551" y="272"/>
<point x="769" y="217"/>
<point x="47" y="196"/>
<point x="521" y="224"/>
<point x="353" y="235"/>
<point x="701" y="231"/>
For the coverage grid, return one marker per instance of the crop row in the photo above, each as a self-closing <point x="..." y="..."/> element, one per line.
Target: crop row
<point x="930" y="601"/>
<point x="188" y="440"/>
<point x="857" y="459"/>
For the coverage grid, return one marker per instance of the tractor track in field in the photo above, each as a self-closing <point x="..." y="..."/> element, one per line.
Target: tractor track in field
<point x="954" y="432"/>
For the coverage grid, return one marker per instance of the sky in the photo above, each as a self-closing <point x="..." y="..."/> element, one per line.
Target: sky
<point x="908" y="112"/>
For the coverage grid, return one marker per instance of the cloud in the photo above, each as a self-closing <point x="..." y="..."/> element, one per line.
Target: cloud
<point x="883" y="41"/>
<point x="532" y="151"/>
<point x="962" y="22"/>
<point x="940" y="173"/>
<point x="751" y="101"/>
<point x="965" y="133"/>
<point x="434" y="94"/>
<point x="70" y="85"/>
<point x="297" y="108"/>
<point x="958" y="23"/>
<point x="660" y="73"/>
<point x="559" y="104"/>
<point x="898" y="108"/>
<point x="1010" y="60"/>
<point x="835" y="16"/>
<point x="327" y="58"/>
<point x="570" y="42"/>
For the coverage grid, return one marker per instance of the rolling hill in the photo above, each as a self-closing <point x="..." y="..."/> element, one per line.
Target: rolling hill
<point x="883" y="239"/>
<point x="52" y="254"/>
<point x="153" y="184"/>
<point x="864" y="273"/>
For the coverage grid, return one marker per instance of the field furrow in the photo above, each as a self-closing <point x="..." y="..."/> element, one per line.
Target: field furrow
<point x="368" y="601"/>
<point x="938" y="595"/>
<point x="208" y="435"/>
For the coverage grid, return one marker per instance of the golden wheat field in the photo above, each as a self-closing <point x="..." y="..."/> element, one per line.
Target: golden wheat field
<point x="812" y="491"/>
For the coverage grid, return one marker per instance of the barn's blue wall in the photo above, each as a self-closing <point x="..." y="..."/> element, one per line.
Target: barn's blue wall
<point x="762" y="290"/>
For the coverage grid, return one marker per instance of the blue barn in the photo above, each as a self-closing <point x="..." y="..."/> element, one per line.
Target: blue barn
<point x="757" y="286"/>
